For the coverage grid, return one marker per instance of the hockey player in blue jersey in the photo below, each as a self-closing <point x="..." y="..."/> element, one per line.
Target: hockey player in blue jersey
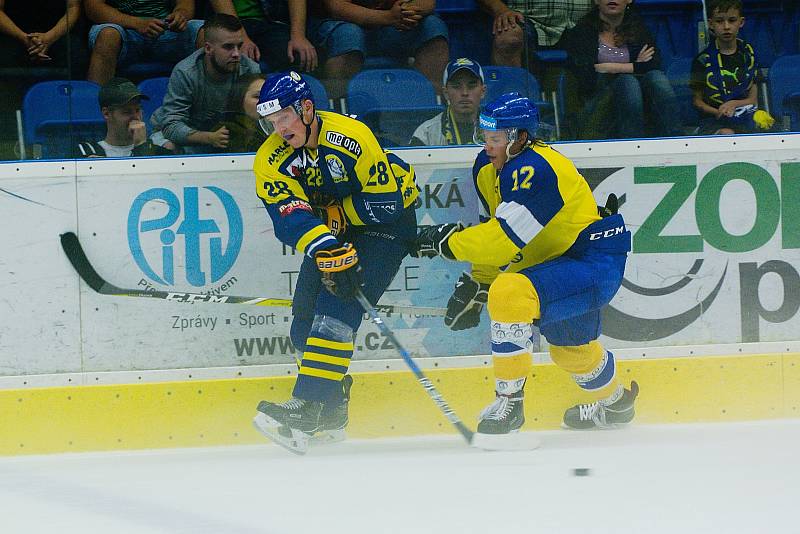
<point x="541" y="254"/>
<point x="347" y="205"/>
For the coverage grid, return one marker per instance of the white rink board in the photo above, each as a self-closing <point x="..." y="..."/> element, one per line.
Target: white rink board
<point x="674" y="295"/>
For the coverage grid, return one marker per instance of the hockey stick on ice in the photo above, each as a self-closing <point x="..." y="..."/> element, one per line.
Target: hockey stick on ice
<point x="507" y="442"/>
<point x="77" y="257"/>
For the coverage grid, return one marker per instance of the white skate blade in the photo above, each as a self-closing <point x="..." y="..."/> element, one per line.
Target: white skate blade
<point x="297" y="443"/>
<point x="515" y="441"/>
<point x="326" y="437"/>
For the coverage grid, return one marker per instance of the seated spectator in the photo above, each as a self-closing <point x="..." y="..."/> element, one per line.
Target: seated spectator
<point x="275" y="32"/>
<point x="35" y="33"/>
<point x="613" y="57"/>
<point x="520" y="27"/>
<point x="241" y="118"/>
<point x="350" y="30"/>
<point x="199" y="89"/>
<point x="126" y="134"/>
<point x="464" y="89"/>
<point x="723" y="76"/>
<point x="131" y="31"/>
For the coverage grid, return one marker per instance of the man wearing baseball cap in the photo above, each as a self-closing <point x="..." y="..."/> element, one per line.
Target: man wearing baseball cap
<point x="464" y="88"/>
<point x="126" y="134"/>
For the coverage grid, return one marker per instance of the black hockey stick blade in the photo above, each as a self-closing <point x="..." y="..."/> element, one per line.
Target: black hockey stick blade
<point x="77" y="257"/>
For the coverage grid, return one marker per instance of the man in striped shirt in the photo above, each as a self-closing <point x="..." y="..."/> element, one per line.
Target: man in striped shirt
<point x="521" y="27"/>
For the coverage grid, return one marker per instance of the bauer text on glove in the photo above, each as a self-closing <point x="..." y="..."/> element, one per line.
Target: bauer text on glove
<point x="341" y="273"/>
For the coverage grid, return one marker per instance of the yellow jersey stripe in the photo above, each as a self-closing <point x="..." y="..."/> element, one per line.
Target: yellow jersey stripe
<point x="311" y="235"/>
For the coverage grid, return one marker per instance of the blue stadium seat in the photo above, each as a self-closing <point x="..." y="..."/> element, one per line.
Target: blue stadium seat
<point x="155" y="89"/>
<point x="392" y="102"/>
<point x="58" y="114"/>
<point x="784" y="91"/>
<point x="770" y="30"/>
<point x="389" y="89"/>
<point x="674" y="25"/>
<point x="501" y="80"/>
<point x="679" y="74"/>
<point x="321" y="100"/>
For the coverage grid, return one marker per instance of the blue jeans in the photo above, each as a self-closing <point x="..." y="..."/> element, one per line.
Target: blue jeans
<point x="617" y="110"/>
<point x="170" y="46"/>
<point x="338" y="37"/>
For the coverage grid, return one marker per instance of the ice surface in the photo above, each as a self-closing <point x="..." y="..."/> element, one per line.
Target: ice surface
<point x="722" y="478"/>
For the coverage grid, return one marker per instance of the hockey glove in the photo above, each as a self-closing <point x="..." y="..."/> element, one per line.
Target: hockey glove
<point x="334" y="218"/>
<point x="331" y="212"/>
<point x="432" y="241"/>
<point x="465" y="305"/>
<point x="611" y="207"/>
<point x="341" y="273"/>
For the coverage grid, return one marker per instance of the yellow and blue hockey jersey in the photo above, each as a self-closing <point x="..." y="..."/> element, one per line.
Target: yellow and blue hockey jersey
<point x="348" y="166"/>
<point x="532" y="211"/>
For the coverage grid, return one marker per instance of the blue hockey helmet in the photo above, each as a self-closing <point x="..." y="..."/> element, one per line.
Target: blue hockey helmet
<point x="281" y="91"/>
<point x="510" y="111"/>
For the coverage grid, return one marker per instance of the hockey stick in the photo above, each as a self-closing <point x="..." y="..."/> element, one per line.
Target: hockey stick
<point x="77" y="257"/>
<point x="467" y="434"/>
<point x="499" y="442"/>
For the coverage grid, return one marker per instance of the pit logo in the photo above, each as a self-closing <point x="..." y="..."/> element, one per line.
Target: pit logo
<point x="206" y="261"/>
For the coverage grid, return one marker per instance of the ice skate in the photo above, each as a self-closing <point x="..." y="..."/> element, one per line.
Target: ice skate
<point x="615" y="411"/>
<point x="290" y="424"/>
<point x="502" y="416"/>
<point x="334" y="417"/>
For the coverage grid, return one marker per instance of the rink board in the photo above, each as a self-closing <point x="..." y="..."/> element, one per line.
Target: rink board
<point x="385" y="404"/>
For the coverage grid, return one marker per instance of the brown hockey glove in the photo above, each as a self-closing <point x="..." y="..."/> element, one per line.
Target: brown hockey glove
<point x="341" y="273"/>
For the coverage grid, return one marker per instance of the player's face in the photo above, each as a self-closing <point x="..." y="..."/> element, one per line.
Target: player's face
<point x="495" y="142"/>
<point x="464" y="92"/>
<point x="224" y="49"/>
<point x="288" y="125"/>
<point x="251" y="99"/>
<point x="726" y="24"/>
<point x="612" y="7"/>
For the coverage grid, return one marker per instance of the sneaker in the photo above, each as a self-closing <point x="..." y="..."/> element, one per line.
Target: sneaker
<point x="504" y="415"/>
<point x="614" y="411"/>
<point x="297" y="414"/>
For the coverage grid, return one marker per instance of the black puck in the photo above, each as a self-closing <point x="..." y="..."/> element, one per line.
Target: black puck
<point x="581" y="471"/>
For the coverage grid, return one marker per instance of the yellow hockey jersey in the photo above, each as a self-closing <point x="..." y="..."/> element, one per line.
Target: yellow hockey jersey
<point x="349" y="167"/>
<point x="532" y="211"/>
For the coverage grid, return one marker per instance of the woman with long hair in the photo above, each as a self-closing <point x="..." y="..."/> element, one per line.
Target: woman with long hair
<point x="618" y="69"/>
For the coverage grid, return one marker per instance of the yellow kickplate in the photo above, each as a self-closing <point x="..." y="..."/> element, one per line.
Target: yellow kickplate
<point x="384" y="404"/>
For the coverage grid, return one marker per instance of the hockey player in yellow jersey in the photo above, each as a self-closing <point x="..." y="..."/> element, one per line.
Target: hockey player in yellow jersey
<point x="543" y="253"/>
<point x="347" y="205"/>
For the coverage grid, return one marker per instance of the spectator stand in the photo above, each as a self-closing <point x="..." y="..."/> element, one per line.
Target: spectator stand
<point x="56" y="115"/>
<point x="392" y="102"/>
